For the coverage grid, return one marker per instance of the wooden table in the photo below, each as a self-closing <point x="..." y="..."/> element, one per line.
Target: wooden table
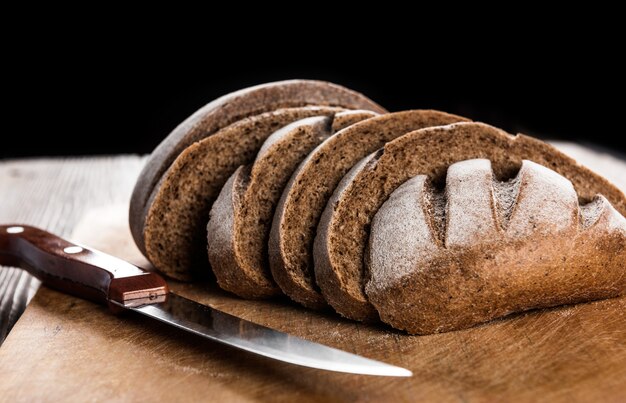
<point x="61" y="347"/>
<point x="53" y="194"/>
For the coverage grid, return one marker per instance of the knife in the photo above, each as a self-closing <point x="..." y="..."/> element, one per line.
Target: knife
<point x="96" y="276"/>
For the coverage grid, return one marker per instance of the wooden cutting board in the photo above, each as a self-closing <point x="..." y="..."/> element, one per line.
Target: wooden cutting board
<point x="67" y="349"/>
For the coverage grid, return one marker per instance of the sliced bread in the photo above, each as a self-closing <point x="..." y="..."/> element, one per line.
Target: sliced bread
<point x="241" y="216"/>
<point x="209" y="120"/>
<point x="310" y="187"/>
<point x="343" y="232"/>
<point x="483" y="248"/>
<point x="175" y="228"/>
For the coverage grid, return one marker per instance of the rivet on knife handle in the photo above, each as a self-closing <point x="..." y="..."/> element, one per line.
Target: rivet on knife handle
<point x="78" y="270"/>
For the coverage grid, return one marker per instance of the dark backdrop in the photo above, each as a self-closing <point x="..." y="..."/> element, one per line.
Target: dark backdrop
<point x="124" y="96"/>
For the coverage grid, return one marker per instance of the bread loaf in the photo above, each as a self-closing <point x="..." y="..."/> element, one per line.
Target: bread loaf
<point x="170" y="205"/>
<point x="442" y="260"/>
<point x="344" y="227"/>
<point x="242" y="214"/>
<point x="469" y="229"/>
<point x="310" y="187"/>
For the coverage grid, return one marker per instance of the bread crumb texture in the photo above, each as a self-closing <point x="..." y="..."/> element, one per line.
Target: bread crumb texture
<point x="241" y="264"/>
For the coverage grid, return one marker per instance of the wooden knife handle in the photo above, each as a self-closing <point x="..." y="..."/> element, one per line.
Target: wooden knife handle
<point x="77" y="270"/>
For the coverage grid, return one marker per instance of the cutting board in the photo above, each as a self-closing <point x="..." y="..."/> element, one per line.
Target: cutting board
<point x="67" y="349"/>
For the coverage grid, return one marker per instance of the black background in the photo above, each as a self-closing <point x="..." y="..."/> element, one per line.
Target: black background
<point x="105" y="95"/>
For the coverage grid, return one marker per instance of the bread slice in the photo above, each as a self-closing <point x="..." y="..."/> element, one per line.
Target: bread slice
<point x="344" y="227"/>
<point x="221" y="113"/>
<point x="499" y="248"/>
<point x="242" y="214"/>
<point x="175" y="228"/>
<point x="310" y="187"/>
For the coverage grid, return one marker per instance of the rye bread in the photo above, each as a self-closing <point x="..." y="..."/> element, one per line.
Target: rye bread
<point x="487" y="248"/>
<point x="241" y="216"/>
<point x="344" y="227"/>
<point x="175" y="233"/>
<point x="221" y="113"/>
<point x="310" y="187"/>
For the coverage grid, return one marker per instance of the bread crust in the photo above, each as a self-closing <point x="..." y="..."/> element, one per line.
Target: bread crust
<point x="344" y="228"/>
<point x="497" y="252"/>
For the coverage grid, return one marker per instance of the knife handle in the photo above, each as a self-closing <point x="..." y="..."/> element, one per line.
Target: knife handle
<point x="78" y="270"/>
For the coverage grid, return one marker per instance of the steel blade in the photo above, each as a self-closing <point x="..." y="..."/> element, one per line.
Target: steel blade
<point x="242" y="334"/>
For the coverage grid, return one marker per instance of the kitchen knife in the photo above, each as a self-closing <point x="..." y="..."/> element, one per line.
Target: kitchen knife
<point x="93" y="275"/>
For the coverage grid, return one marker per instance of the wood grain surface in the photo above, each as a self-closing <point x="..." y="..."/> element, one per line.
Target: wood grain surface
<point x="53" y="194"/>
<point x="66" y="349"/>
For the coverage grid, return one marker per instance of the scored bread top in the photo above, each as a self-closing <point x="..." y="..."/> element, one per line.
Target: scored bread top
<point x="223" y="112"/>
<point x="242" y="215"/>
<point x="175" y="228"/>
<point x="344" y="227"/>
<point x="310" y="187"/>
<point x="487" y="248"/>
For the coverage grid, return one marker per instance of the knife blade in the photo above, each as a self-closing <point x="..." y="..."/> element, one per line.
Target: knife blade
<point x="83" y="272"/>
